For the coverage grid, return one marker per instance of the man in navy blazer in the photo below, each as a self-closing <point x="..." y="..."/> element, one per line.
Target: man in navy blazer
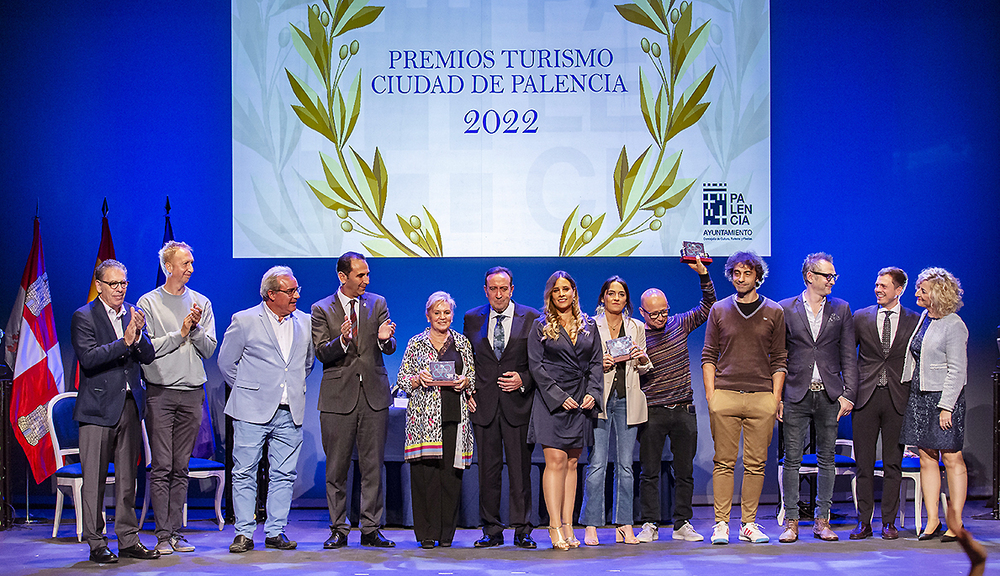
<point x="265" y="356"/>
<point x="499" y="332"/>
<point x="821" y="387"/>
<point x="351" y="330"/>
<point x="110" y="342"/>
<point x="881" y="399"/>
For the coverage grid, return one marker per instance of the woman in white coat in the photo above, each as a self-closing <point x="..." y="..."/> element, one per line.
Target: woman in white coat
<point x="936" y="366"/>
<point x="625" y="411"/>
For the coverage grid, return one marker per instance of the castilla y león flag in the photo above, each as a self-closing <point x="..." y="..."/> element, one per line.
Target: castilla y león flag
<point x="38" y="369"/>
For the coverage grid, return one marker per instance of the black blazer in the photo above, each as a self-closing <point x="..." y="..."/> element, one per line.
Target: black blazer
<point x="832" y="350"/>
<point x="871" y="359"/>
<point x="106" y="365"/>
<point x="515" y="406"/>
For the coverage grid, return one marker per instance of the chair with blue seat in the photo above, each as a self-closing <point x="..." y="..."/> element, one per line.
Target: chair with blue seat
<point x="911" y="470"/>
<point x="843" y="461"/>
<point x="198" y="468"/>
<point x="65" y="435"/>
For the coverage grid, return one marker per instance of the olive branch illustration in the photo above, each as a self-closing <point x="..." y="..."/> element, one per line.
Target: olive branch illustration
<point x="361" y="207"/>
<point x="650" y="183"/>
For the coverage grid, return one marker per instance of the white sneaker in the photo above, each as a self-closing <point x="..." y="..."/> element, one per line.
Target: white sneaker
<point x="687" y="533"/>
<point x="751" y="532"/>
<point x="648" y="533"/>
<point x="720" y="533"/>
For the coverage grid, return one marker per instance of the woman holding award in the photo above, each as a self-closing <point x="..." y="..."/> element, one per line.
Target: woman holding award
<point x="438" y="369"/>
<point x="564" y="355"/>
<point x="936" y="367"/>
<point x="624" y="343"/>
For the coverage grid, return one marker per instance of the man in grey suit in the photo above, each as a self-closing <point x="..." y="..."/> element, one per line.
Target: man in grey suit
<point x="265" y="357"/>
<point x="821" y="387"/>
<point x="110" y="341"/>
<point x="504" y="392"/>
<point x="351" y="331"/>
<point x="882" y="333"/>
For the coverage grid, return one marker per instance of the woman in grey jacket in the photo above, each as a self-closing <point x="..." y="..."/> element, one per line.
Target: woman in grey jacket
<point x="936" y="367"/>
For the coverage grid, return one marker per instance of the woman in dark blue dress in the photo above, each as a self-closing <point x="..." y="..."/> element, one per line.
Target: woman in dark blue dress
<point x="564" y="355"/>
<point x="937" y="368"/>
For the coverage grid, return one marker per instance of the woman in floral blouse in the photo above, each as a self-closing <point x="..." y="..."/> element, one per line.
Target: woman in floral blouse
<point x="438" y="431"/>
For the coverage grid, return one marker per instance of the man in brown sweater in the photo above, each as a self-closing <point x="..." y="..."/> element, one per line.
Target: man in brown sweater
<point x="743" y="364"/>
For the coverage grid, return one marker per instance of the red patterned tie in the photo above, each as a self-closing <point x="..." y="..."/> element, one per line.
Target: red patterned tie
<point x="354" y="321"/>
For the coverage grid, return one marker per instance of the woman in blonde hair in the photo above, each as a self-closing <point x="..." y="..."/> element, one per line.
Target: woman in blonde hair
<point x="565" y="357"/>
<point x="936" y="367"/>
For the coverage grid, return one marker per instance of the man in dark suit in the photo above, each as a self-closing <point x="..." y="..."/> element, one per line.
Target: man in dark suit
<point x="883" y="332"/>
<point x="502" y="401"/>
<point x="820" y="387"/>
<point x="110" y="342"/>
<point x="351" y="331"/>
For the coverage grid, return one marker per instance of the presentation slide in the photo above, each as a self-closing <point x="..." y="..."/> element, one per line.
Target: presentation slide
<point x="500" y="128"/>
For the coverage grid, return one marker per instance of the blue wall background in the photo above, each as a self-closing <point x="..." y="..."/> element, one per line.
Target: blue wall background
<point x="884" y="152"/>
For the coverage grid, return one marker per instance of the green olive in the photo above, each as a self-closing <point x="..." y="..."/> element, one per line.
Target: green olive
<point x="655" y="49"/>
<point x="588" y="236"/>
<point x="415" y="221"/>
<point x="655" y="225"/>
<point x="354" y="47"/>
<point x="586" y="221"/>
<point x="342" y="212"/>
<point x="414" y="237"/>
<point x="324" y="18"/>
<point x="343" y="52"/>
<point x="659" y="211"/>
<point x="645" y="45"/>
<point x="346" y="226"/>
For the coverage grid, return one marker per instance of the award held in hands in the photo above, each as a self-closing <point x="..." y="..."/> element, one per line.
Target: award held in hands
<point x="620" y="348"/>
<point x="691" y="250"/>
<point x="443" y="373"/>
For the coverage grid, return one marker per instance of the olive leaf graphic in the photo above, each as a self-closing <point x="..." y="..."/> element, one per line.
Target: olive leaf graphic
<point x="351" y="186"/>
<point x="650" y="183"/>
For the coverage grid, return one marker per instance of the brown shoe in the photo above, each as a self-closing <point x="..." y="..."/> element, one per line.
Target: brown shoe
<point x="889" y="532"/>
<point x="864" y="530"/>
<point x="821" y="530"/>
<point x="791" y="532"/>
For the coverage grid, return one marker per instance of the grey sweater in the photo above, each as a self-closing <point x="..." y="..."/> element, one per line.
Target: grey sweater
<point x="179" y="360"/>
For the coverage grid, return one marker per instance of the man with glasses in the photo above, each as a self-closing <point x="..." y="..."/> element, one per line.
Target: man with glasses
<point x="670" y="401"/>
<point x="820" y="388"/>
<point x="182" y="328"/>
<point x="265" y="357"/>
<point x="110" y="342"/>
<point x="351" y="330"/>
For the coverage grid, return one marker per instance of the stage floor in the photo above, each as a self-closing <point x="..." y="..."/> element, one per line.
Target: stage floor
<point x="28" y="549"/>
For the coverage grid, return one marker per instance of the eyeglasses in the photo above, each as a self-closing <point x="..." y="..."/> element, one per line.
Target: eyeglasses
<point x="657" y="314"/>
<point x="828" y="275"/>
<point x="123" y="284"/>
<point x="291" y="291"/>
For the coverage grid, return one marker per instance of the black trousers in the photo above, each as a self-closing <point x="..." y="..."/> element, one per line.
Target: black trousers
<point x="878" y="414"/>
<point x="680" y="424"/>
<point x="493" y="442"/>
<point x="436" y="490"/>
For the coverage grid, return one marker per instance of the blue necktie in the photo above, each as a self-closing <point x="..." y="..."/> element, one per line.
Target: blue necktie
<point x="498" y="337"/>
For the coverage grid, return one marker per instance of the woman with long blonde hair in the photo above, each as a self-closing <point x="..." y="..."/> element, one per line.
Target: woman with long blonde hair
<point x="565" y="358"/>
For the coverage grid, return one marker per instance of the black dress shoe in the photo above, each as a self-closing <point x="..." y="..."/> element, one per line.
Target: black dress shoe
<point x="444" y="544"/>
<point x="524" y="541"/>
<point x="241" y="544"/>
<point x="281" y="542"/>
<point x="427" y="544"/>
<point x="103" y="555"/>
<point x="949" y="538"/>
<point x="889" y="532"/>
<point x="924" y="536"/>
<point x="864" y="530"/>
<point x="376" y="540"/>
<point x="138" y="551"/>
<point x="489" y="541"/>
<point x="337" y="539"/>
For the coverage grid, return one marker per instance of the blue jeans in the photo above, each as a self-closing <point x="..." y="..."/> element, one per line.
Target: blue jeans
<point x="284" y="441"/>
<point x="597" y="463"/>
<point x="816" y="406"/>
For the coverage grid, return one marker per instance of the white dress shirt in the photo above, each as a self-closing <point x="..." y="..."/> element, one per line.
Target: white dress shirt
<point x="285" y="333"/>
